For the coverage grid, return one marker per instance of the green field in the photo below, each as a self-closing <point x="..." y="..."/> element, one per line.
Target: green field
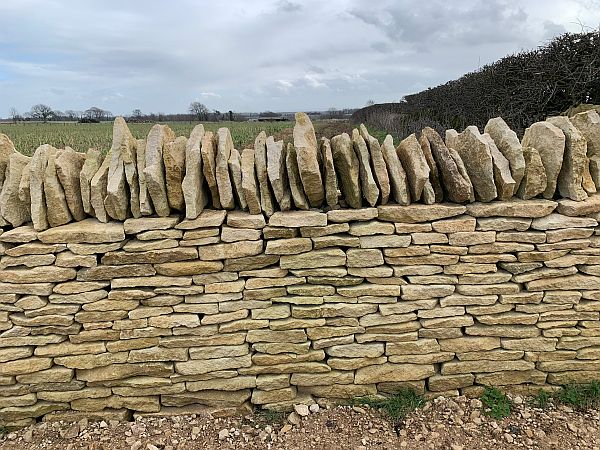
<point x="27" y="136"/>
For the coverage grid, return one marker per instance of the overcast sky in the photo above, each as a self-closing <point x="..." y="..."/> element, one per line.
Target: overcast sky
<point x="281" y="55"/>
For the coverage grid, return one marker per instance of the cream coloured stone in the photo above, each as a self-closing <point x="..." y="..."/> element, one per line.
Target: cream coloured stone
<point x="307" y="156"/>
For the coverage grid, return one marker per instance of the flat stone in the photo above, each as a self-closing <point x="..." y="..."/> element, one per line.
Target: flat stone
<point x="208" y="218"/>
<point x="12" y="208"/>
<point x="208" y="150"/>
<point x="277" y="172"/>
<point x="475" y="152"/>
<point x="398" y="180"/>
<point x="347" y="165"/>
<point x="194" y="190"/>
<point x="68" y="168"/>
<point x="295" y="219"/>
<point x="307" y="155"/>
<point x="418" y="213"/>
<point x="568" y="207"/>
<point x="291" y="162"/>
<point x="570" y="178"/>
<point x="224" y="187"/>
<point x="87" y="231"/>
<point x="154" y="171"/>
<point x="144" y="196"/>
<point x="135" y="226"/>
<point x="174" y="154"/>
<point x="315" y="258"/>
<point x="558" y="221"/>
<point x="239" y="219"/>
<point x="250" y="189"/>
<point x="549" y="141"/>
<point x="370" y="191"/>
<point x="230" y="250"/>
<point x="513" y="208"/>
<point x="508" y="144"/>
<point x="57" y="209"/>
<point x="393" y="372"/>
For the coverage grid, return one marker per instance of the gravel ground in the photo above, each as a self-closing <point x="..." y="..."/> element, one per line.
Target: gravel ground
<point x="456" y="423"/>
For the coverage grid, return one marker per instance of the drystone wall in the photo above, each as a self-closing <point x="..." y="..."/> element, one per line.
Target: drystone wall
<point x="167" y="315"/>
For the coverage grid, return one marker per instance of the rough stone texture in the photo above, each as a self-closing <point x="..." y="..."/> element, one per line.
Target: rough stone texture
<point x="194" y="191"/>
<point x="476" y="154"/>
<point x="370" y="191"/>
<point x="505" y="183"/>
<point x="174" y="154"/>
<point x="379" y="165"/>
<point x="414" y="163"/>
<point x="154" y="171"/>
<point x="329" y="175"/>
<point x="570" y="178"/>
<point x="57" y="209"/>
<point x="235" y="169"/>
<point x="534" y="181"/>
<point x="277" y="173"/>
<point x="457" y="188"/>
<point x="588" y="123"/>
<point x="508" y="143"/>
<point x="224" y="187"/>
<point x="549" y="141"/>
<point x="37" y="169"/>
<point x="397" y="175"/>
<point x="346" y="163"/>
<point x="291" y="162"/>
<point x="12" y="208"/>
<point x="307" y="155"/>
<point x="249" y="182"/>
<point x="434" y="175"/>
<point x="208" y="149"/>
<point x="144" y="196"/>
<point x="116" y="201"/>
<point x="260" y="161"/>
<point x="68" y="168"/>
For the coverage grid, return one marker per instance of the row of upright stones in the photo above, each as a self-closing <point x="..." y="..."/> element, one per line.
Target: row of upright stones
<point x="165" y="173"/>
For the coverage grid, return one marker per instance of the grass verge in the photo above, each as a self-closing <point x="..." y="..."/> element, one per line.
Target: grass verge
<point x="580" y="396"/>
<point x="396" y="406"/>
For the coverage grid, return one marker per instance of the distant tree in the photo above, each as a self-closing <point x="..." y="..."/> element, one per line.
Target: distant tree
<point x="41" y="112"/>
<point x="370" y="103"/>
<point x="71" y="115"/>
<point x="199" y="110"/>
<point x="59" y="115"/>
<point x="94" y="113"/>
<point x="136" y="114"/>
<point x="230" y="115"/>
<point x="268" y="114"/>
<point x="14" y="114"/>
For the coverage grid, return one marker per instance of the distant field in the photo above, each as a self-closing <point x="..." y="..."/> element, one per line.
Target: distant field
<point x="30" y="135"/>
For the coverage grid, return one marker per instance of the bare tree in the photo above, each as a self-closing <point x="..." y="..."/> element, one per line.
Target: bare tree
<point x="95" y="113"/>
<point x="71" y="115"/>
<point x="14" y="114"/>
<point x="370" y="103"/>
<point x="199" y="110"/>
<point x="41" y="112"/>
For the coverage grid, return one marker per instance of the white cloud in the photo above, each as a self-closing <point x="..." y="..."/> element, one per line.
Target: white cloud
<point x="260" y="55"/>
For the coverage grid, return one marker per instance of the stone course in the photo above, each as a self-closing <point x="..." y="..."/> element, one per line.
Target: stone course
<point x="231" y="310"/>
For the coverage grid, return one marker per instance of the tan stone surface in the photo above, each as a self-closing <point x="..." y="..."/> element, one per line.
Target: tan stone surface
<point x="193" y="187"/>
<point x="154" y="170"/>
<point x="12" y="208"/>
<point x="370" y="191"/>
<point x="347" y="165"/>
<point x="174" y="155"/>
<point x="308" y="158"/>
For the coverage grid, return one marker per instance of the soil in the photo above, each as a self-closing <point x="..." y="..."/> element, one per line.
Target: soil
<point x="445" y="423"/>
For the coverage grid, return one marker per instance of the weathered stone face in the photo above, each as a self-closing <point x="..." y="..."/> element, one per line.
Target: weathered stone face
<point x="347" y="165"/>
<point x="174" y="154"/>
<point x="235" y="170"/>
<point x="98" y="191"/>
<point x="534" y="180"/>
<point x="549" y="141"/>
<point x="380" y="170"/>
<point x="457" y="188"/>
<point x="505" y="184"/>
<point x="588" y="123"/>
<point x="249" y="183"/>
<point x="57" y="209"/>
<point x="434" y="175"/>
<point x="69" y="165"/>
<point x="570" y="177"/>
<point x="154" y="170"/>
<point x="477" y="157"/>
<point x="192" y="186"/>
<point x="307" y="156"/>
<point x="208" y="150"/>
<point x="291" y="162"/>
<point x="12" y="208"/>
<point x="413" y="160"/>
<point x="508" y="144"/>
<point x="370" y="190"/>
<point x="224" y="188"/>
<point x="277" y="173"/>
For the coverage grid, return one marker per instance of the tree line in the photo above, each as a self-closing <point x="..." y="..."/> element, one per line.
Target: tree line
<point x="522" y="88"/>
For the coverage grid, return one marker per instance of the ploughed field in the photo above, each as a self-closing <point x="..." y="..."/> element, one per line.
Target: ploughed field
<point x="28" y="136"/>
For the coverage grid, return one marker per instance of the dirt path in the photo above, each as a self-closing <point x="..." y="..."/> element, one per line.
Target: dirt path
<point x="454" y="424"/>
